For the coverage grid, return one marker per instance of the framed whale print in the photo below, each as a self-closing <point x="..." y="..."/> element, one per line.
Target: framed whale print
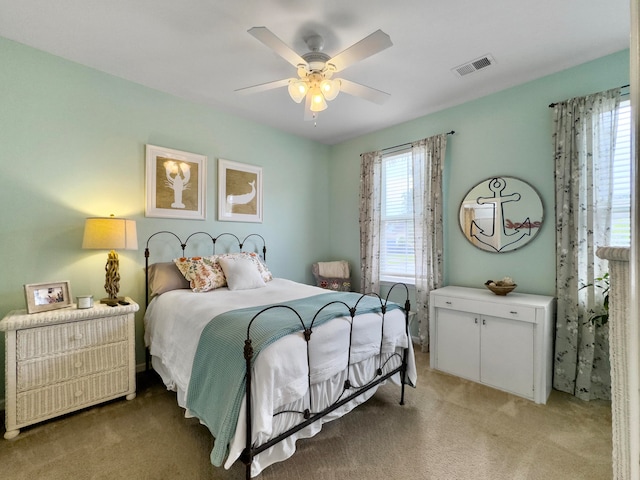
<point x="239" y="192"/>
<point x="176" y="184"/>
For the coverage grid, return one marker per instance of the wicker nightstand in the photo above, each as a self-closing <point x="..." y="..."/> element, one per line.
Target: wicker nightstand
<point x="65" y="360"/>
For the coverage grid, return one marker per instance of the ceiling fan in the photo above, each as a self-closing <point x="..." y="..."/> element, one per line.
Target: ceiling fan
<point x="315" y="70"/>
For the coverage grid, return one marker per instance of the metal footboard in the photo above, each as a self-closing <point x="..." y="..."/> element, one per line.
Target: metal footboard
<point x="350" y="390"/>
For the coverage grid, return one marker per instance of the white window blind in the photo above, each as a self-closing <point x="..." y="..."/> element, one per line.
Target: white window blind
<point x="620" y="206"/>
<point x="397" y="257"/>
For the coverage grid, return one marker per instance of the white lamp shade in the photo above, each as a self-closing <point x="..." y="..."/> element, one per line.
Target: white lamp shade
<point x="298" y="90"/>
<point x="318" y="102"/>
<point x="330" y="88"/>
<point x="110" y="233"/>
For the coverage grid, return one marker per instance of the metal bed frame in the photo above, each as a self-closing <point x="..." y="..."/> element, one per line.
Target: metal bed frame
<point x="350" y="390"/>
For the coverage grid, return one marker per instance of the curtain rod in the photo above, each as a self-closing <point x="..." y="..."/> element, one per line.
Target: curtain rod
<point x="409" y="143"/>
<point x="551" y="105"/>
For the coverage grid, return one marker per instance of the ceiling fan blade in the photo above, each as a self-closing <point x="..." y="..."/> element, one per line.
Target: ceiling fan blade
<point x="368" y="93"/>
<point x="274" y="43"/>
<point x="374" y="43"/>
<point x="263" y="87"/>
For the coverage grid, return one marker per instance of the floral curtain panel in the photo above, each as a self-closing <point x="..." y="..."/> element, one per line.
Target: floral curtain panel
<point x="584" y="141"/>
<point x="428" y="159"/>
<point x="370" y="211"/>
<point x="427" y="165"/>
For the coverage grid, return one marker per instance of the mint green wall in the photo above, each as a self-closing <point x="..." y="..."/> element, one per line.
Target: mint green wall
<point x="72" y="145"/>
<point x="507" y="133"/>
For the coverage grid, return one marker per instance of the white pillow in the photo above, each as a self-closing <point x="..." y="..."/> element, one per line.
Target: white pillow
<point x="241" y="273"/>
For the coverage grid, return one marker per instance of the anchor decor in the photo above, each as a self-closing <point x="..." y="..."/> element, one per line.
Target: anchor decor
<point x="501" y="214"/>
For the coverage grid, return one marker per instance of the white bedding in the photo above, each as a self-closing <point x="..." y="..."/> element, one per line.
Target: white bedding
<point x="175" y="320"/>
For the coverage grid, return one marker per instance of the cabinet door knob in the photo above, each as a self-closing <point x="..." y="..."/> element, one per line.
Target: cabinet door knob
<point x="77" y="336"/>
<point x="79" y="393"/>
<point x="448" y="303"/>
<point x="484" y="322"/>
<point x="475" y="320"/>
<point x="78" y="364"/>
<point x="513" y="312"/>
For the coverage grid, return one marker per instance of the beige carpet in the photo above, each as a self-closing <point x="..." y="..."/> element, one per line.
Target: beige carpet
<point x="448" y="429"/>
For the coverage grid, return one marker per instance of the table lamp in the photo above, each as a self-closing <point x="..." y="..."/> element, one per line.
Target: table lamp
<point x="110" y="233"/>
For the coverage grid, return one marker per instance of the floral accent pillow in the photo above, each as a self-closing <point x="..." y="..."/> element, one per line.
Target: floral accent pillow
<point x="203" y="273"/>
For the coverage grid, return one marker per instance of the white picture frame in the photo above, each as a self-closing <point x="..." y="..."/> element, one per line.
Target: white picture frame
<point x="176" y="184"/>
<point x="239" y="192"/>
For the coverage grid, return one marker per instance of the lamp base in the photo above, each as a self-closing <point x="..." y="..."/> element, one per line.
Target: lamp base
<point x="112" y="301"/>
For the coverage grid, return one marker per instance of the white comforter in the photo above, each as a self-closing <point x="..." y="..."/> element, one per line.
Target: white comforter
<point x="175" y="320"/>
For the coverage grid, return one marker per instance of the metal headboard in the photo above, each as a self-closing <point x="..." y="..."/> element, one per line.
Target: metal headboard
<point x="184" y="244"/>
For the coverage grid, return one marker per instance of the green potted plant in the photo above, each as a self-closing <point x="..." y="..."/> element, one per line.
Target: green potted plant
<point x="600" y="316"/>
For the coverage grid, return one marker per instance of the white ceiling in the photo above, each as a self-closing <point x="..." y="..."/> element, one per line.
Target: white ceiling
<point x="200" y="49"/>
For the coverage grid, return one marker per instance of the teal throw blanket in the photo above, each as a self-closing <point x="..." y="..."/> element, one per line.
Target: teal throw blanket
<point x="218" y="381"/>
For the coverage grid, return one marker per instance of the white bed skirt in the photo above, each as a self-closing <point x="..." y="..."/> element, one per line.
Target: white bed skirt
<point x="323" y="394"/>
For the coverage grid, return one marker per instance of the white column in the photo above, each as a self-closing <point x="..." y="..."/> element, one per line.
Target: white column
<point x="624" y="403"/>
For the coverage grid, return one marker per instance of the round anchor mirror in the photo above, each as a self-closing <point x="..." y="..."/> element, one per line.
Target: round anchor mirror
<point x="501" y="214"/>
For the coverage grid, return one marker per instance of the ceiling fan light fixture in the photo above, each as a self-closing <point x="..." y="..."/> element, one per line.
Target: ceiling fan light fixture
<point x="315" y="70"/>
<point x="318" y="102"/>
<point x="298" y="89"/>
<point x="330" y="88"/>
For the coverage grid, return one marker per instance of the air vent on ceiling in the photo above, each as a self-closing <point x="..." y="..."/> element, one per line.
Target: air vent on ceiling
<point x="474" y="65"/>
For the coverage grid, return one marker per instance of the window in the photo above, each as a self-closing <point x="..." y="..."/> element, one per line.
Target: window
<point x="621" y="203"/>
<point x="397" y="257"/>
<point x="620" y="206"/>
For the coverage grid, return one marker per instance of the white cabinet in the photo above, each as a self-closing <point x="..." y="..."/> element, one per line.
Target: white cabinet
<point x="501" y="341"/>
<point x="64" y="360"/>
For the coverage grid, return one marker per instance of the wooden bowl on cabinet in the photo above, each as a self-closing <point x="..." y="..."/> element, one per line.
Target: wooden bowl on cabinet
<point x="499" y="289"/>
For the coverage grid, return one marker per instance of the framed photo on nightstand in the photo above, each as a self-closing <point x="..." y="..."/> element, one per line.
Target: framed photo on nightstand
<point x="42" y="297"/>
